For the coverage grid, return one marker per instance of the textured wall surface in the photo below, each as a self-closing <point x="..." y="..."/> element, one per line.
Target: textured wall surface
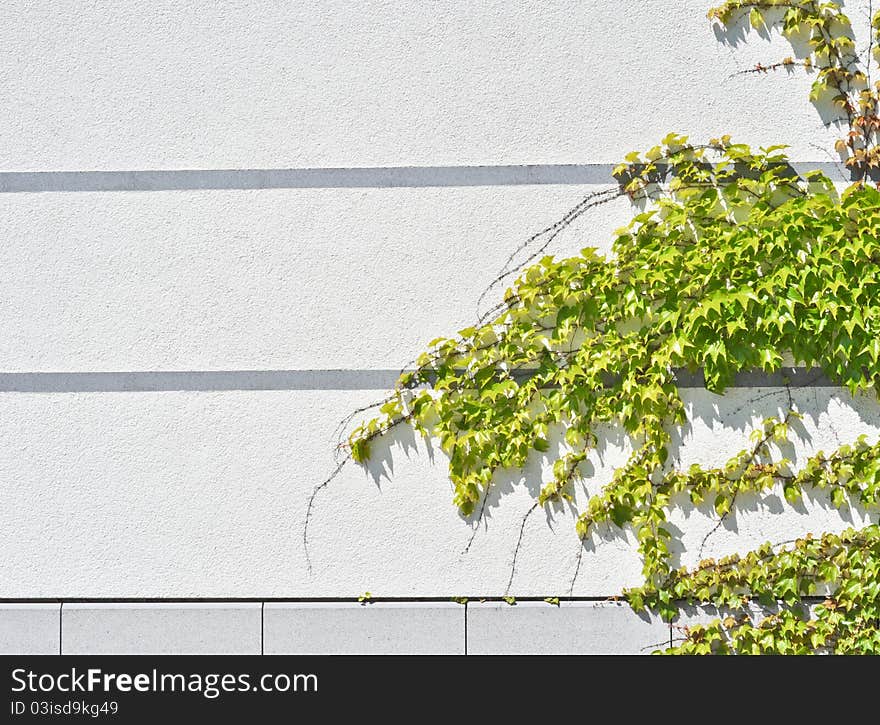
<point x="244" y="83"/>
<point x="117" y="486"/>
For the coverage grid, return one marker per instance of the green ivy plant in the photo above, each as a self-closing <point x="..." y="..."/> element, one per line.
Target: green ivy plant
<point x="735" y="262"/>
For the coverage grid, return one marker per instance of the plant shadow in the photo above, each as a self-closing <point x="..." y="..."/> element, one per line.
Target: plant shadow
<point x="818" y="405"/>
<point x="739" y="32"/>
<point x="736" y="412"/>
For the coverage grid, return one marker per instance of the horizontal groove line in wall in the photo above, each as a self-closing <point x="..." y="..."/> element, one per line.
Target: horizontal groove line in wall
<point x="229" y="380"/>
<point x="378" y="177"/>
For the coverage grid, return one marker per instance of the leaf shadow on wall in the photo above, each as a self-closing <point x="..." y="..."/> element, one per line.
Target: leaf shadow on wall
<point x="718" y="428"/>
<point x="737" y="34"/>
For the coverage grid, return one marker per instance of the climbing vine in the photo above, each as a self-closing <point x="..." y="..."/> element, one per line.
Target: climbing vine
<point x="735" y="262"/>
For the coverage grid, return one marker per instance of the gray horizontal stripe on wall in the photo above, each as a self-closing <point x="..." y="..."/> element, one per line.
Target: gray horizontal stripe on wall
<point x="219" y="380"/>
<point x="379" y="177"/>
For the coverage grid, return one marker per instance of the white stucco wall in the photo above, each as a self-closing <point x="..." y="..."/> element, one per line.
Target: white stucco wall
<point x="244" y="83"/>
<point x="202" y="493"/>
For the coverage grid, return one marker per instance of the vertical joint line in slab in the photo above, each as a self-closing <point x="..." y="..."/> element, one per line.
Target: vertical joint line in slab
<point x="60" y="629"/>
<point x="465" y="628"/>
<point x="262" y="628"/>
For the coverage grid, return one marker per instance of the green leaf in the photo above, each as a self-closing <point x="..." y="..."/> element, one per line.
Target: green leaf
<point x="722" y="504"/>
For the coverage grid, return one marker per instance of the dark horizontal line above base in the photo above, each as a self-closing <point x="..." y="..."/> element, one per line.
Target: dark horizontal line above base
<point x="316" y="600"/>
<point x="220" y="380"/>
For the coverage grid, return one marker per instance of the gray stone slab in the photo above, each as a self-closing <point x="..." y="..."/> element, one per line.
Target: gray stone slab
<point x="352" y="628"/>
<point x="161" y="628"/>
<point x="31" y="629"/>
<point x="570" y="628"/>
